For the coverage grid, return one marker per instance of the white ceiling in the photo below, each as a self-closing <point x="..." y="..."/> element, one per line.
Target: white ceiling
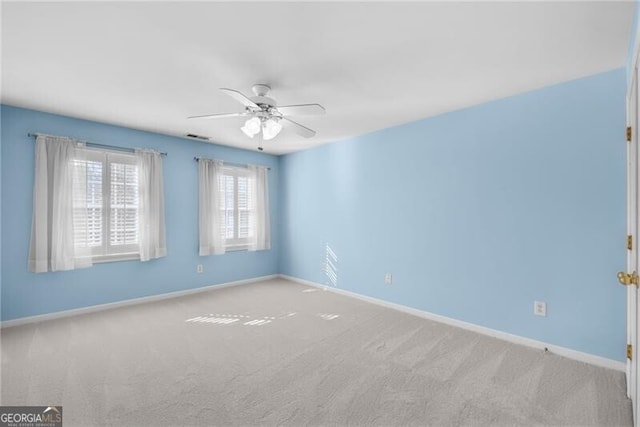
<point x="149" y="65"/>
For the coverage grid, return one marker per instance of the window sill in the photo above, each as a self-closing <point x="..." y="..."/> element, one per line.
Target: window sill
<point x="115" y="258"/>
<point x="237" y="248"/>
<point x="240" y="248"/>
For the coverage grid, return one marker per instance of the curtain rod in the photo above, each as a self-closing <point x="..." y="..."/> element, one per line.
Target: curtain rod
<point x="227" y="163"/>
<point x="95" y="144"/>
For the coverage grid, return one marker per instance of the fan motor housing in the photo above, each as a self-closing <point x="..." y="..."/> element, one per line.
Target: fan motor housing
<point x="261" y="91"/>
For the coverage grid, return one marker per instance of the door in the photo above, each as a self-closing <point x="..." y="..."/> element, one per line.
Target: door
<point x="631" y="278"/>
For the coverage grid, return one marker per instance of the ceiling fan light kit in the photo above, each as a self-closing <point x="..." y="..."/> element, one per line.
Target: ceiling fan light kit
<point x="265" y="115"/>
<point x="270" y="129"/>
<point x="251" y="127"/>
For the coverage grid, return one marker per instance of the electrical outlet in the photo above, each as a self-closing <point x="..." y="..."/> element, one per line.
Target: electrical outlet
<point x="199" y="268"/>
<point x="388" y="279"/>
<point x="540" y="308"/>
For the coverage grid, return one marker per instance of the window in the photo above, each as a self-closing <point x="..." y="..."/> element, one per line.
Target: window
<point x="237" y="207"/>
<point x="110" y="227"/>
<point x="94" y="205"/>
<point x="233" y="208"/>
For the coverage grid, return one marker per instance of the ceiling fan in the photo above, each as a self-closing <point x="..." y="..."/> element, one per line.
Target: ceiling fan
<point x="265" y="115"/>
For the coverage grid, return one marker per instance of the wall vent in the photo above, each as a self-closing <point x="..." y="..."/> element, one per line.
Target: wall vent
<point x="194" y="136"/>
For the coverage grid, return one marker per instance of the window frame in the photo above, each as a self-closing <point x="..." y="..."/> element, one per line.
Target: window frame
<point x="106" y="251"/>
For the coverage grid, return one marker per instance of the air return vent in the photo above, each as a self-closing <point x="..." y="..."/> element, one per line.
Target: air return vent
<point x="194" y="136"/>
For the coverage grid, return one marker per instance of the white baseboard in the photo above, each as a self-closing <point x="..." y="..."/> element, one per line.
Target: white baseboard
<point x="142" y="300"/>
<point x="561" y="351"/>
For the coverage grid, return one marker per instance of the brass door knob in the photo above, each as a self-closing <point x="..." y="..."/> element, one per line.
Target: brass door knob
<point x="627" y="279"/>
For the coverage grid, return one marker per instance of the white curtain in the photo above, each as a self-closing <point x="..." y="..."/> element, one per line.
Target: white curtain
<point x="151" y="224"/>
<point x="211" y="207"/>
<point x="260" y="238"/>
<point x="59" y="206"/>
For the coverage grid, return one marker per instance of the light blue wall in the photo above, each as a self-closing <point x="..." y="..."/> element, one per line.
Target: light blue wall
<point x="632" y="39"/>
<point x="26" y="294"/>
<point x="477" y="213"/>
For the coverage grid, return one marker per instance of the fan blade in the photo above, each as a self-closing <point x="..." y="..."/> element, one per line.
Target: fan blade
<point x="302" y="110"/>
<point x="301" y="130"/>
<point x="240" y="98"/>
<point x="218" y="116"/>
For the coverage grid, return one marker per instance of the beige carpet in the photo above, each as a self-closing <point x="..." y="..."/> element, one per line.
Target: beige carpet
<point x="278" y="353"/>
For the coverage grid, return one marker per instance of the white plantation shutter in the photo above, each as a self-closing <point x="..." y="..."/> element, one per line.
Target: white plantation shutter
<point x="109" y="205"/>
<point x="245" y="207"/>
<point x="123" y="207"/>
<point x="87" y="204"/>
<point x="228" y="207"/>
<point x="237" y="208"/>
<point x="95" y="211"/>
